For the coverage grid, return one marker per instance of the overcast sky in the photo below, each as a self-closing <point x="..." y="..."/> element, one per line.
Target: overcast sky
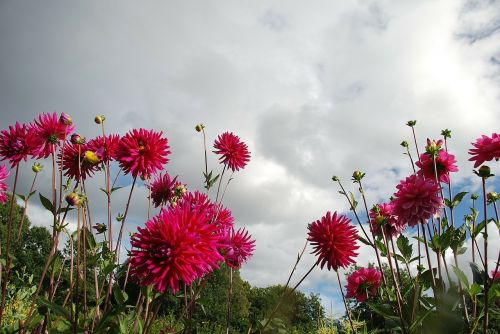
<point x="314" y="88"/>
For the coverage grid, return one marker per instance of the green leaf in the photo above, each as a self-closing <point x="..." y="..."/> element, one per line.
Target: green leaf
<point x="21" y="197"/>
<point x="474" y="289"/>
<point x="405" y="247"/>
<point x="447" y="202"/>
<point x="115" y="189"/>
<point x="120" y="297"/>
<point x="363" y="240"/>
<point x="47" y="204"/>
<point x="477" y="274"/>
<point x="461" y="276"/>
<point x="381" y="247"/>
<point x="458" y="198"/>
<point x="57" y="309"/>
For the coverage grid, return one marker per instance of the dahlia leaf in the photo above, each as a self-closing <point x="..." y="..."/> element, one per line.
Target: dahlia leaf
<point x="115" y="189"/>
<point x="461" y="276"/>
<point x="21" y="197"/>
<point x="474" y="289"/>
<point x="477" y="274"/>
<point x="480" y="227"/>
<point x="31" y="194"/>
<point x="462" y="251"/>
<point x="47" y="204"/>
<point x="363" y="240"/>
<point x="57" y="309"/>
<point x="458" y="198"/>
<point x="381" y="247"/>
<point x="405" y="247"/>
<point x="120" y="297"/>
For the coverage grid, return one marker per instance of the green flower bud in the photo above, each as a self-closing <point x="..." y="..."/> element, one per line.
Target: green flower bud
<point x="411" y="123"/>
<point x="199" y="127"/>
<point x="37" y="167"/>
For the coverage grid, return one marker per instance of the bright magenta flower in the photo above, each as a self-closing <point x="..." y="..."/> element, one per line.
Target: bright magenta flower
<point x="382" y="217"/>
<point x="215" y="214"/>
<point x="16" y="144"/>
<point x="48" y="131"/>
<point x="163" y="189"/>
<point x="417" y="200"/>
<point x="105" y="147"/>
<point x="495" y="275"/>
<point x="485" y="149"/>
<point x="445" y="164"/>
<point x="176" y="246"/>
<point x="142" y="152"/>
<point x="238" y="247"/>
<point x="3" y="186"/>
<point x="363" y="283"/>
<point x="334" y="241"/>
<point x="74" y="161"/>
<point x="234" y="153"/>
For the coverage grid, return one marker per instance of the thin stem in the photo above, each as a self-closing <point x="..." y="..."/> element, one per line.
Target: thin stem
<point x="27" y="198"/>
<point x="220" y="181"/>
<point x="428" y="259"/>
<point x="345" y="303"/>
<point x="229" y="300"/>
<point x="486" y="277"/>
<point x="207" y="181"/>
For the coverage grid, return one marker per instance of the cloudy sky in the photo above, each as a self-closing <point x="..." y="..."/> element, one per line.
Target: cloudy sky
<point x="314" y="88"/>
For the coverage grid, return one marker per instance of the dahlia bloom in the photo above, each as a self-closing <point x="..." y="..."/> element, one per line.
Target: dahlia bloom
<point x="142" y="152"/>
<point x="163" y="189"/>
<point x="382" y="217"/>
<point x="72" y="160"/>
<point x="234" y="153"/>
<point x="485" y="149"/>
<point x="362" y="283"/>
<point x="238" y="247"/>
<point x="16" y="144"/>
<point x="416" y="200"/>
<point x="214" y="214"/>
<point x="445" y="164"/>
<point x="48" y="130"/>
<point x="334" y="241"/>
<point x="176" y="246"/>
<point x="3" y="186"/>
<point x="105" y="147"/>
<point x="495" y="275"/>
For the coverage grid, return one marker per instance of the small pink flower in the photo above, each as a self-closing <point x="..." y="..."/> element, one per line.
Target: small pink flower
<point x="445" y="164"/>
<point x="382" y="218"/>
<point x="233" y="152"/>
<point x="163" y="189"/>
<point x="105" y="147"/>
<point x="495" y="275"/>
<point x="363" y="283"/>
<point x="485" y="149"/>
<point x="416" y="200"/>
<point x="16" y="144"/>
<point x="48" y="131"/>
<point x="178" y="245"/>
<point x="3" y="186"/>
<point x="238" y="247"/>
<point x="334" y="241"/>
<point x="142" y="152"/>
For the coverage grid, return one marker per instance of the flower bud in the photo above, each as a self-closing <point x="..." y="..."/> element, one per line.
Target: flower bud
<point x="357" y="176"/>
<point x="199" y="127"/>
<point x="446" y="133"/>
<point x="99" y="119"/>
<point x="484" y="172"/>
<point x="492" y="197"/>
<point x="91" y="158"/>
<point x="335" y="178"/>
<point x="433" y="146"/>
<point x="77" y="139"/>
<point x="37" y="167"/>
<point x="100" y="228"/>
<point x="474" y="197"/>
<point x="73" y="199"/>
<point x="411" y="123"/>
<point x="65" y="119"/>
<point x="404" y="143"/>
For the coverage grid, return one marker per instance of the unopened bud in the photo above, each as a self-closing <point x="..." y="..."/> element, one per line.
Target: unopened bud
<point x="446" y="133"/>
<point x="335" y="178"/>
<point x="411" y="123"/>
<point x="91" y="158"/>
<point x="65" y="119"/>
<point x="404" y="143"/>
<point x="37" y="167"/>
<point x="474" y="197"/>
<point x="199" y="127"/>
<point x="100" y="228"/>
<point x="357" y="176"/>
<point x="492" y="197"/>
<point x="73" y="199"/>
<point x="433" y="146"/>
<point x="77" y="139"/>
<point x="99" y="119"/>
<point x="484" y="172"/>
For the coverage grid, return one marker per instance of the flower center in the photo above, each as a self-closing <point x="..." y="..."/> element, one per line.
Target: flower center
<point x="52" y="139"/>
<point x="163" y="252"/>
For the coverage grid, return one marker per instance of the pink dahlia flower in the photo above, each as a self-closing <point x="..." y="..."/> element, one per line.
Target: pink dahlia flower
<point x="214" y="214"/>
<point x="163" y="189"/>
<point x="142" y="152"/>
<point x="382" y="218"/>
<point x="73" y="161"/>
<point x="334" y="241"/>
<point x="485" y="149"/>
<point x="416" y="200"/>
<point x="445" y="164"/>
<point x="233" y="152"/>
<point x="3" y="186"/>
<point x="105" y="147"/>
<point x="238" y="247"/>
<point x="16" y="144"/>
<point x="495" y="275"/>
<point x="48" y="131"/>
<point x="363" y="283"/>
<point x="175" y="246"/>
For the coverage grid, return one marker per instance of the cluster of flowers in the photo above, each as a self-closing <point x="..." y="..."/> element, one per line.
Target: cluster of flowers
<point x="417" y="199"/>
<point x="190" y="236"/>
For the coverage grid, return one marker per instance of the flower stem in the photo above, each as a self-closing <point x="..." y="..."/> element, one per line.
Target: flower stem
<point x="229" y="300"/>
<point x="345" y="303"/>
<point x="486" y="277"/>
<point x="20" y="229"/>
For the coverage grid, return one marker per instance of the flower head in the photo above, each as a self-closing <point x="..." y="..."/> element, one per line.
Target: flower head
<point x="445" y="164"/>
<point x="382" y="218"/>
<point x="495" y="275"/>
<point x="334" y="241"/>
<point x="3" y="186"/>
<point x="48" y="132"/>
<point x="238" y="247"/>
<point x="416" y="200"/>
<point x="214" y="213"/>
<point x="485" y="149"/>
<point x="142" y="152"/>
<point x="163" y="189"/>
<point x="16" y="144"/>
<point x="77" y="161"/>
<point x="177" y="245"/>
<point x="105" y="147"/>
<point x="362" y="283"/>
<point x="233" y="152"/>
